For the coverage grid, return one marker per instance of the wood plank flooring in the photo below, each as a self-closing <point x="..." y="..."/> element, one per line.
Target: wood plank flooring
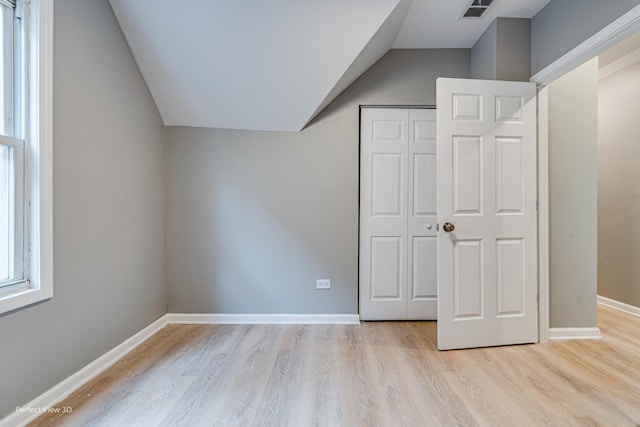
<point x="374" y="374"/>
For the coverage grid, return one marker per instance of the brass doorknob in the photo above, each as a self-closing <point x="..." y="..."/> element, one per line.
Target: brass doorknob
<point x="448" y="227"/>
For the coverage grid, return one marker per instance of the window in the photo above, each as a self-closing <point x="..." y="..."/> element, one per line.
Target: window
<point x="13" y="173"/>
<point x="26" y="272"/>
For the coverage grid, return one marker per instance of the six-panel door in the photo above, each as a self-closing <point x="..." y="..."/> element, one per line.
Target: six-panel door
<point x="487" y="265"/>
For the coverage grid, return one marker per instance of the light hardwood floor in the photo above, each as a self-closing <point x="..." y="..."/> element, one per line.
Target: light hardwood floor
<point x="374" y="374"/>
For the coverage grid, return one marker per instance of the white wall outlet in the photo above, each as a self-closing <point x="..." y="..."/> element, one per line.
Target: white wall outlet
<point x="323" y="284"/>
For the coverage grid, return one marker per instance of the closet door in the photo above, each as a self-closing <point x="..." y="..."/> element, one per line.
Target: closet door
<point x="398" y="214"/>
<point x="384" y="150"/>
<point x="422" y="302"/>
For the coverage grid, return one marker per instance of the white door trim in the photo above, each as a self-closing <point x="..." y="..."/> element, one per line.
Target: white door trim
<point x="613" y="33"/>
<point x="543" y="215"/>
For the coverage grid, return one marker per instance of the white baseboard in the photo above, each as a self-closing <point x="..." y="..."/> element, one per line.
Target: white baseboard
<point x="620" y="306"/>
<point x="264" y="319"/>
<point x="38" y="406"/>
<point x="557" y="334"/>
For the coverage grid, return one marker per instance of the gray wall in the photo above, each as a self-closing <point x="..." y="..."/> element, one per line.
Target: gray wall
<point x="514" y="49"/>
<point x="573" y="130"/>
<point x="503" y="51"/>
<point x="484" y="54"/>
<point x="618" y="189"/>
<point x="564" y="24"/>
<point x="254" y="218"/>
<point x="108" y="210"/>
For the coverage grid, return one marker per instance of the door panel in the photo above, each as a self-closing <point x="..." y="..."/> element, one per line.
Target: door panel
<point x="383" y="213"/>
<point x="385" y="131"/>
<point x="424" y="177"/>
<point x="424" y="274"/>
<point x="467" y="279"/>
<point x="421" y="227"/>
<point x="387" y="258"/>
<point x="467" y="107"/>
<point x="386" y="191"/>
<point x="467" y="175"/>
<point x="509" y="109"/>
<point x="510" y="179"/>
<point x="487" y="275"/>
<point x="511" y="261"/>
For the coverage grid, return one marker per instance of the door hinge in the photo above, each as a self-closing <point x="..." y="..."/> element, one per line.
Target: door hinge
<point x="537" y="205"/>
<point x="437" y="227"/>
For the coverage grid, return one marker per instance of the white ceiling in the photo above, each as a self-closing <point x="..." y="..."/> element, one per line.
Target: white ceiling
<point x="273" y="65"/>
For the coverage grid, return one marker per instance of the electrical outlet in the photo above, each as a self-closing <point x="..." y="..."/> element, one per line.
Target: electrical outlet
<point x="323" y="284"/>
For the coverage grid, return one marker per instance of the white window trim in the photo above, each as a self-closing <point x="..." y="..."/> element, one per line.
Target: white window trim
<point x="39" y="137"/>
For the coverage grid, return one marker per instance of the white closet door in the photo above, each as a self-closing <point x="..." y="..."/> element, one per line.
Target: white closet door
<point x="422" y="303"/>
<point x="487" y="264"/>
<point x="383" y="213"/>
<point x="397" y="214"/>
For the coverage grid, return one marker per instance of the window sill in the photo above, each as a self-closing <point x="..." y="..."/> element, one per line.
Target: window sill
<point x="22" y="296"/>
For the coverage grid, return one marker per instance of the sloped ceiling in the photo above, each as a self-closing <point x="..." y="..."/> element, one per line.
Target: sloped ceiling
<point x="273" y="65"/>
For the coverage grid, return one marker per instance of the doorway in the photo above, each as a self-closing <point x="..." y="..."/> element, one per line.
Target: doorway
<point x="618" y="175"/>
<point x="562" y="293"/>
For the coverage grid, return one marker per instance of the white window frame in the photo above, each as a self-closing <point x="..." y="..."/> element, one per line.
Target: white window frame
<point x="38" y="142"/>
<point x="14" y="219"/>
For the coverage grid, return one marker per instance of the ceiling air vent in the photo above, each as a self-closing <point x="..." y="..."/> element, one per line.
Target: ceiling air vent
<point x="477" y="8"/>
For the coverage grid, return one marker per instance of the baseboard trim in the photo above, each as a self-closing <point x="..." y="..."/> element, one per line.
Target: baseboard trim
<point x="63" y="389"/>
<point x="620" y="306"/>
<point x="264" y="319"/>
<point x="558" y="334"/>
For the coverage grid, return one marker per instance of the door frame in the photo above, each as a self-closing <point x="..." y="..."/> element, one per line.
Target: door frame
<point x="610" y="35"/>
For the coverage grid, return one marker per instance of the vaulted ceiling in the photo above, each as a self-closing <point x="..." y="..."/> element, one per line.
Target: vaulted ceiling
<point x="273" y="65"/>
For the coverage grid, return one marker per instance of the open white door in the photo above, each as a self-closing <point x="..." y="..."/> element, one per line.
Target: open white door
<point x="487" y="243"/>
